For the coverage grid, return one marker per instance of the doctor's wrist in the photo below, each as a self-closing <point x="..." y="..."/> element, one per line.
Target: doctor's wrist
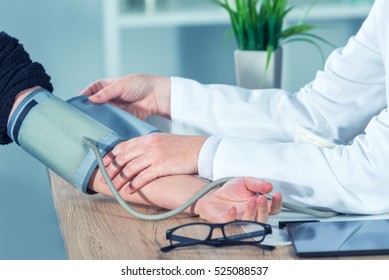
<point x="206" y="157"/>
<point x="161" y="92"/>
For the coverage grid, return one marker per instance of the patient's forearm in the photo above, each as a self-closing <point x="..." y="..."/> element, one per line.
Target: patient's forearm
<point x="17" y="73"/>
<point x="19" y="98"/>
<point x="165" y="192"/>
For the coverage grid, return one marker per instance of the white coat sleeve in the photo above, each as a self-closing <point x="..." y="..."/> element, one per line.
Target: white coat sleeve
<point x="257" y="128"/>
<point x="339" y="102"/>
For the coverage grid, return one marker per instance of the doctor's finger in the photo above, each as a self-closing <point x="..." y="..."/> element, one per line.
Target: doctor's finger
<point x="131" y="166"/>
<point x="95" y="87"/>
<point x="127" y="152"/>
<point x="122" y="153"/>
<point x="144" y="177"/>
<point x="131" y="163"/>
<point x="112" y="166"/>
<point x="126" y="146"/>
<point x="120" y="180"/>
<point x="112" y="170"/>
<point x="106" y="94"/>
<point x="130" y="171"/>
<point x="108" y="158"/>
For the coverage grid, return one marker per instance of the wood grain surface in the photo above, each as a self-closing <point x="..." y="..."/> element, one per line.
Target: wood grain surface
<point x="96" y="227"/>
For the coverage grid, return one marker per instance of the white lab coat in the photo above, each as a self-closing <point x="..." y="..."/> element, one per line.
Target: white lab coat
<point x="348" y="100"/>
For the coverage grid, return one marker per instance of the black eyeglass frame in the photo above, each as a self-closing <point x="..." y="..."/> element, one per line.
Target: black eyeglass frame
<point x="224" y="241"/>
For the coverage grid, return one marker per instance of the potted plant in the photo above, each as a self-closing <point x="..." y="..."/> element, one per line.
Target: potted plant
<point x="259" y="32"/>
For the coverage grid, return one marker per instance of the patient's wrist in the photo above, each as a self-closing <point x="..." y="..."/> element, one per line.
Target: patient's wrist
<point x="19" y="98"/>
<point x="200" y="207"/>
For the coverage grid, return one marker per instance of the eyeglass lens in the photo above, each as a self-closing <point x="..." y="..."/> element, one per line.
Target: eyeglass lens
<point x="235" y="232"/>
<point x="197" y="233"/>
<point x="191" y="234"/>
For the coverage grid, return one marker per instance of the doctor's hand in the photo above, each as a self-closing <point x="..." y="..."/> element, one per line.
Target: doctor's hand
<point x="139" y="95"/>
<point x="134" y="163"/>
<point x="239" y="199"/>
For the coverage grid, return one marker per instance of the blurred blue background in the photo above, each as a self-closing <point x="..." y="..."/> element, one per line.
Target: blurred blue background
<point x="67" y="37"/>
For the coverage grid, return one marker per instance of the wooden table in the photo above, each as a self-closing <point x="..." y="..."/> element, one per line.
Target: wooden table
<point x="96" y="227"/>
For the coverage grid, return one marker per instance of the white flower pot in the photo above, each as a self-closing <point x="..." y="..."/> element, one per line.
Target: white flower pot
<point x="250" y="68"/>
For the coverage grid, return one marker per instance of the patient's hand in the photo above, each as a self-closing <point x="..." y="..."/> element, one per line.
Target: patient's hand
<point x="238" y="199"/>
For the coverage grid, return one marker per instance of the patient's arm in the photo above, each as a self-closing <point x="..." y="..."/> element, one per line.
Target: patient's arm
<point x="17" y="73"/>
<point x="165" y="192"/>
<point x="19" y="76"/>
<point x="236" y="200"/>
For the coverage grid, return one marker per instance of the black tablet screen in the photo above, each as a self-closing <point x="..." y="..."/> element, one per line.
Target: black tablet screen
<point x="343" y="238"/>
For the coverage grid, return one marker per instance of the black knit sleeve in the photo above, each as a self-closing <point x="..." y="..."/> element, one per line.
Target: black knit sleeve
<point x="17" y="73"/>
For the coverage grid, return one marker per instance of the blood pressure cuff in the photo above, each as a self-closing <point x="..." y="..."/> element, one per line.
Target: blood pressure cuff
<point x="124" y="124"/>
<point x="52" y="131"/>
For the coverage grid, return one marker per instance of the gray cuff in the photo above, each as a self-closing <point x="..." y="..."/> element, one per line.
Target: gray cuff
<point x="206" y="156"/>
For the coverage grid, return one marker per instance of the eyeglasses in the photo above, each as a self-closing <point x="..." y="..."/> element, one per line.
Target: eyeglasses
<point x="227" y="234"/>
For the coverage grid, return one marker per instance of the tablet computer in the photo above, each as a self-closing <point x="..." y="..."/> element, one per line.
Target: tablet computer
<point x="340" y="238"/>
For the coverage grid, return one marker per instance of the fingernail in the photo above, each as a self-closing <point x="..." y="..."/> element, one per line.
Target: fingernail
<point x="93" y="97"/>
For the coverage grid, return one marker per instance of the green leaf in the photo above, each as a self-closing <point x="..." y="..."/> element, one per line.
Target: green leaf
<point x="309" y="41"/>
<point x="269" y="54"/>
<point x="296" y="30"/>
<point x="258" y="25"/>
<point x="307" y="11"/>
<point x="318" y="38"/>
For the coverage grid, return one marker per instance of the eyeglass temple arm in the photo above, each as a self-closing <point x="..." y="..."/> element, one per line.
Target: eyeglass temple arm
<point x="218" y="244"/>
<point x="220" y="239"/>
<point x="183" y="239"/>
<point x="247" y="235"/>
